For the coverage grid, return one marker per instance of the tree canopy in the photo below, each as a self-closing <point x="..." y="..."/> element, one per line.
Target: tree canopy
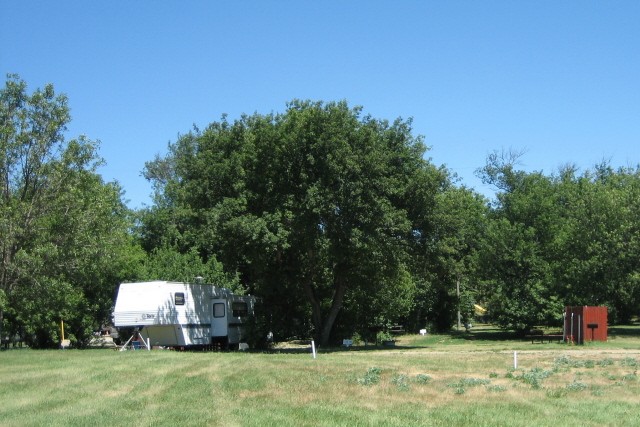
<point x="560" y="240"/>
<point x="334" y="219"/>
<point x="65" y="241"/>
<point x="317" y="204"/>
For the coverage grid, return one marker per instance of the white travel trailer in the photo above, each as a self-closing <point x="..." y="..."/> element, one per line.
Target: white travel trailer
<point x="173" y="314"/>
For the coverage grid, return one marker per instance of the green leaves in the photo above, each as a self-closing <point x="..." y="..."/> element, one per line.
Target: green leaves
<point x="65" y="243"/>
<point x="562" y="240"/>
<point x="311" y="203"/>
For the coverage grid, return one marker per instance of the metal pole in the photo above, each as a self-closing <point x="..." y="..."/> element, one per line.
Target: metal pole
<point x="579" y="330"/>
<point x="572" y="340"/>
<point x="313" y="348"/>
<point x="458" y="294"/>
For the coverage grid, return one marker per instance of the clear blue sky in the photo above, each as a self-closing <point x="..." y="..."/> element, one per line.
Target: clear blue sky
<point x="560" y="79"/>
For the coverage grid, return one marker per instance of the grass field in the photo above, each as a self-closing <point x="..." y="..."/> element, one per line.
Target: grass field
<point x="453" y="380"/>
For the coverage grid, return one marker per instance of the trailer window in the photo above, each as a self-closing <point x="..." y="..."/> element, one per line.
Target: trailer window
<point x="218" y="309"/>
<point x="239" y="309"/>
<point x="179" y="298"/>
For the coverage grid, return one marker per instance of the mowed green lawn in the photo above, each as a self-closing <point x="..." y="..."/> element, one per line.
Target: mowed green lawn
<point x="453" y="380"/>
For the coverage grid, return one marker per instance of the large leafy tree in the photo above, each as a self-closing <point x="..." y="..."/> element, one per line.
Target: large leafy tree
<point x="565" y="239"/>
<point x="597" y="246"/>
<point x="167" y="263"/>
<point x="311" y="207"/>
<point x="445" y="256"/>
<point x="65" y="241"/>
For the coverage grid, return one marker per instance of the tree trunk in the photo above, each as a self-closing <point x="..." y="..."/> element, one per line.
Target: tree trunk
<point x="324" y="326"/>
<point x="336" y="305"/>
<point x="316" y="311"/>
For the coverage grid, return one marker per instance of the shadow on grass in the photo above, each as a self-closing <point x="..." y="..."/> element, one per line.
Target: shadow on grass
<point x="487" y="334"/>
<point x="484" y="333"/>
<point x="339" y="349"/>
<point x="632" y="330"/>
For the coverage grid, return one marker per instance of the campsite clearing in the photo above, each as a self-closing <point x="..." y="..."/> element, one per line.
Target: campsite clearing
<point x="453" y="383"/>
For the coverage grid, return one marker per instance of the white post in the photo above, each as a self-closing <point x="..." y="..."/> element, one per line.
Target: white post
<point x="515" y="360"/>
<point x="149" y="343"/>
<point x="458" y="295"/>
<point x="313" y="348"/>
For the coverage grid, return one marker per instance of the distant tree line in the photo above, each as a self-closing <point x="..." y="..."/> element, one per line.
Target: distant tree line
<point x="336" y="220"/>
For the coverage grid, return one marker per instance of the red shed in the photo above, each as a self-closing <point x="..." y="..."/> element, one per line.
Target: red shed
<point x="585" y="324"/>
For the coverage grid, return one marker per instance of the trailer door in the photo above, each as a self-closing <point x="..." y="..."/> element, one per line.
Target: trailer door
<point x="219" y="324"/>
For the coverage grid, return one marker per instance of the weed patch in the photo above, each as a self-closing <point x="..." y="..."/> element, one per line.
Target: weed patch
<point x="630" y="362"/>
<point x="534" y="377"/>
<point x="401" y="382"/>
<point x="556" y="393"/>
<point x="576" y="386"/>
<point x="422" y="379"/>
<point x="461" y="386"/>
<point x="371" y="377"/>
<point x="605" y="362"/>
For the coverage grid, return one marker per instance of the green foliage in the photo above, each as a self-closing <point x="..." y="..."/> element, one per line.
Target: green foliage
<point x="371" y="377"/>
<point x="576" y="386"/>
<point x="401" y="381"/>
<point x="534" y="377"/>
<point x="65" y="243"/>
<point x="605" y="362"/>
<point x="169" y="264"/>
<point x="448" y="231"/>
<point x="630" y="361"/>
<point x="258" y="332"/>
<point x="556" y="393"/>
<point x="384" y="336"/>
<point x="469" y="382"/>
<point x="561" y="240"/>
<point x="463" y="384"/>
<point x="334" y="218"/>
<point x="313" y="208"/>
<point x="422" y="379"/>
